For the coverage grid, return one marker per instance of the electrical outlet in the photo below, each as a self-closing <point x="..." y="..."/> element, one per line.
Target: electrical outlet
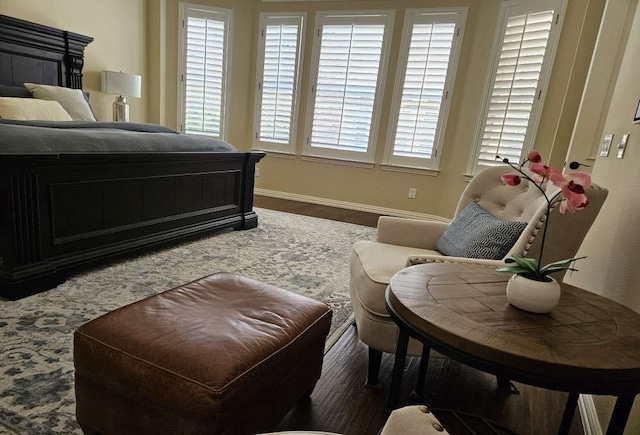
<point x="257" y="171"/>
<point x="412" y="192"/>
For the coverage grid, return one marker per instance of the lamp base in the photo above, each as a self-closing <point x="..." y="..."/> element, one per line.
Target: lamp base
<point x="121" y="109"/>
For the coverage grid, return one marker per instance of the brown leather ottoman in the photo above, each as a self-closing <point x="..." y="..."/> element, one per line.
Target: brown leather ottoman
<point x="221" y="355"/>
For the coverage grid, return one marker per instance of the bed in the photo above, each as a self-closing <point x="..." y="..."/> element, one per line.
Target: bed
<point x="62" y="210"/>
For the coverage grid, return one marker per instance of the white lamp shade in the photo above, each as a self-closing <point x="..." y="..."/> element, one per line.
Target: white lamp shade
<point x="118" y="83"/>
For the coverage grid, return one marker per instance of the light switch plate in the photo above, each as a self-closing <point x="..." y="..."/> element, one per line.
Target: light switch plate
<point x="622" y="146"/>
<point x="606" y="145"/>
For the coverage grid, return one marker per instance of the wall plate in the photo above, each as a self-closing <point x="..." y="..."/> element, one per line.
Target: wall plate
<point x="622" y="146"/>
<point x="606" y="145"/>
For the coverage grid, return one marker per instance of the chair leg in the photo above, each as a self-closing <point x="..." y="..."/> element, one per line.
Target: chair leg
<point x="506" y="385"/>
<point x="373" y="373"/>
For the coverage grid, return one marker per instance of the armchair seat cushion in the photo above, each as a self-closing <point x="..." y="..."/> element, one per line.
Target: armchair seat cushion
<point x="381" y="261"/>
<point x="376" y="264"/>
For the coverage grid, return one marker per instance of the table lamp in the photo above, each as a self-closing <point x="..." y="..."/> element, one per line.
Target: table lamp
<point x="123" y="85"/>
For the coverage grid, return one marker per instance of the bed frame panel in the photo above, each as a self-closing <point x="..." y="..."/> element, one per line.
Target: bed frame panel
<point x="60" y="213"/>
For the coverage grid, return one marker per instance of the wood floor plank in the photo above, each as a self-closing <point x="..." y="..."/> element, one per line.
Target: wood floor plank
<point x="342" y="404"/>
<point x="321" y="211"/>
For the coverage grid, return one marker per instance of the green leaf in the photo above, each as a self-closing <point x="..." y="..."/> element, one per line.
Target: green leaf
<point x="514" y="269"/>
<point x="520" y="265"/>
<point x="561" y="263"/>
<point x="530" y="264"/>
<point x="551" y="270"/>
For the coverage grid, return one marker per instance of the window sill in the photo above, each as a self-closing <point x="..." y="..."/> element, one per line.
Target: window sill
<point x="410" y="170"/>
<point x="338" y="161"/>
<point x="277" y="154"/>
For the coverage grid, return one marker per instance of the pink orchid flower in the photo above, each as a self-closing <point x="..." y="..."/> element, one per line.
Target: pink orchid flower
<point x="572" y="203"/>
<point x="576" y="182"/>
<point x="534" y="156"/>
<point x="511" y="179"/>
<point x="573" y="187"/>
<point x="544" y="173"/>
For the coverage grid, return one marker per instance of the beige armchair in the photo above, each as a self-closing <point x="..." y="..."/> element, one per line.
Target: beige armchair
<point x="402" y="242"/>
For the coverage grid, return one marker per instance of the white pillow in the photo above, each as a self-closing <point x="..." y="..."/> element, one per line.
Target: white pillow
<point x="72" y="100"/>
<point x="30" y="109"/>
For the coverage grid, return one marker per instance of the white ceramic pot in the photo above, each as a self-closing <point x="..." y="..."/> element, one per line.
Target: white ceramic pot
<point x="533" y="296"/>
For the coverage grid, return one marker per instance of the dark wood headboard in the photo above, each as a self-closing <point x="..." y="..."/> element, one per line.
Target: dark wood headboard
<point x="31" y="52"/>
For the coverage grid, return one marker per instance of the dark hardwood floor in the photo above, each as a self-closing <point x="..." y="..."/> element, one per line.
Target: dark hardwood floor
<point x="321" y="211"/>
<point x="341" y="403"/>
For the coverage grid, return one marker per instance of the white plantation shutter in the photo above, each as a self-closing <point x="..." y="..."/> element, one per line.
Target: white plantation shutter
<point x="428" y="58"/>
<point x="523" y="62"/>
<point x="278" y="63"/>
<point x="204" y="73"/>
<point x="278" y="82"/>
<point x="423" y="90"/>
<point x="346" y="87"/>
<point x="347" y="84"/>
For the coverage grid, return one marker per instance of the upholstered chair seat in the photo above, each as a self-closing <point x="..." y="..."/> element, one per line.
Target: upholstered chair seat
<point x="402" y="242"/>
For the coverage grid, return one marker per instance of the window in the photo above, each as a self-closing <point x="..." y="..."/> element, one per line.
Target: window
<point x="424" y="87"/>
<point x="521" y="65"/>
<point x="203" y="70"/>
<point x="349" y="66"/>
<point x="279" y="54"/>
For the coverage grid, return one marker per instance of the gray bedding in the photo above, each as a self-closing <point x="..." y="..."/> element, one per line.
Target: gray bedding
<point x="52" y="137"/>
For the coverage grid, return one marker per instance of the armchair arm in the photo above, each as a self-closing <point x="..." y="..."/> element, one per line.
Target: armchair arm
<point x="413" y="233"/>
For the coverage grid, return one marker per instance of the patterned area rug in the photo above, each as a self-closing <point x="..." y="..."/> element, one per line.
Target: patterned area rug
<point x="298" y="253"/>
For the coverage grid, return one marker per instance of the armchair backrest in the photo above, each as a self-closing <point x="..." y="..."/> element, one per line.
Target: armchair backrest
<point x="526" y="203"/>
<point x="512" y="203"/>
<point x="566" y="232"/>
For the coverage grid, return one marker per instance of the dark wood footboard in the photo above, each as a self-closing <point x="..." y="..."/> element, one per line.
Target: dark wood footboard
<point x="61" y="213"/>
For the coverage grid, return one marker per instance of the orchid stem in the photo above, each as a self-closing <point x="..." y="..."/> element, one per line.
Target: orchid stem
<point x="549" y="202"/>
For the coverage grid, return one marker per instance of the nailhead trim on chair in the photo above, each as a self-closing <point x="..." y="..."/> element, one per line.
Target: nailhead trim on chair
<point x="535" y="232"/>
<point x="412" y="261"/>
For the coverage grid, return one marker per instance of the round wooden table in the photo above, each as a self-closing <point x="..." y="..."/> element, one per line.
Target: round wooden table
<point x="588" y="344"/>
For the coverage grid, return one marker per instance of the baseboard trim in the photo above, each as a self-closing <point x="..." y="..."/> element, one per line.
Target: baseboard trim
<point x="347" y="205"/>
<point x="588" y="415"/>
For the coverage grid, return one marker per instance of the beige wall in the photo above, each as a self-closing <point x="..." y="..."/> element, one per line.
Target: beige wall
<point x="437" y="195"/>
<point x="242" y="60"/>
<point x="156" y="61"/>
<point x="117" y="27"/>
<point x="612" y="246"/>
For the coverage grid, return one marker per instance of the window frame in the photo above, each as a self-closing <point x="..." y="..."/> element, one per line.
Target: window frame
<point x="265" y="19"/>
<point x="386" y="17"/>
<point x="510" y="9"/>
<point x="422" y="16"/>
<point x="201" y="11"/>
